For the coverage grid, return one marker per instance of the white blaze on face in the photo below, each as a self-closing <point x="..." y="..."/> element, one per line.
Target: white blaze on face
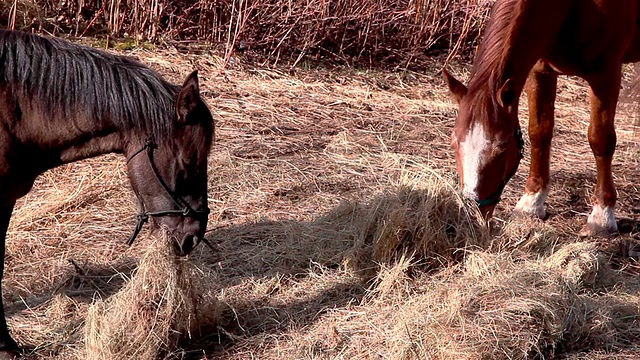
<point x="472" y="150"/>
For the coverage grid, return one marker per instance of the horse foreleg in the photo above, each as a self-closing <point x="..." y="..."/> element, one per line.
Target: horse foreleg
<point x="603" y="91"/>
<point x="541" y="92"/>
<point x="8" y="346"/>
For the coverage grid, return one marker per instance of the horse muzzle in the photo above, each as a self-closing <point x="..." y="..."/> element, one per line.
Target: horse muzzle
<point x="487" y="211"/>
<point x="184" y="245"/>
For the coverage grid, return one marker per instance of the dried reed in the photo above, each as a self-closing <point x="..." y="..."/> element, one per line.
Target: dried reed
<point x="390" y="31"/>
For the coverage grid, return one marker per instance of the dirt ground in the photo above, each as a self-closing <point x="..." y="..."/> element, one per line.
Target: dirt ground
<point x="292" y="147"/>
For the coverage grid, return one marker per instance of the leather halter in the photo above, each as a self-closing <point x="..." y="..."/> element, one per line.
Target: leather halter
<point x="143" y="217"/>
<point x="494" y="198"/>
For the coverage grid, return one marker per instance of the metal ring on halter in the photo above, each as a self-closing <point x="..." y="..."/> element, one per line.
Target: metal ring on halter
<point x="186" y="211"/>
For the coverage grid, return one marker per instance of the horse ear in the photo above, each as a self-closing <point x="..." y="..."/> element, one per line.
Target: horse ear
<point x="458" y="90"/>
<point x="507" y="95"/>
<point x="188" y="97"/>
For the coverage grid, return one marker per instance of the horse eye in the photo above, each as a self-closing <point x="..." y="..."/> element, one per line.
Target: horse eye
<point x="500" y="147"/>
<point x="188" y="162"/>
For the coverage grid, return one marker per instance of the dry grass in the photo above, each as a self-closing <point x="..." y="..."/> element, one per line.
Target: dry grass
<point x="493" y="306"/>
<point x="314" y="172"/>
<point x="426" y="221"/>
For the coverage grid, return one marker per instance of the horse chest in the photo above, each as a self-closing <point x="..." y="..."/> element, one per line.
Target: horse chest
<point x="14" y="186"/>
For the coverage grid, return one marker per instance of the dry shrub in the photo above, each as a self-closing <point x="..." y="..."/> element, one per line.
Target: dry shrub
<point x="19" y="13"/>
<point x="389" y="31"/>
<point x="159" y="307"/>
<point x="396" y="31"/>
<point x="432" y="225"/>
<point x="494" y="306"/>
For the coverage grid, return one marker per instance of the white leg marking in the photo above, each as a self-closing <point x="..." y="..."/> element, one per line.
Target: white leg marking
<point x="533" y="204"/>
<point x="603" y="217"/>
<point x="473" y="148"/>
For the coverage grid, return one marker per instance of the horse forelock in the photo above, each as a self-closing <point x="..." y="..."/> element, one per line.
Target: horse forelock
<point x="66" y="80"/>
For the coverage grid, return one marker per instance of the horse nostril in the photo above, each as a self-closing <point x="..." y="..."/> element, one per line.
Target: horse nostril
<point x="187" y="244"/>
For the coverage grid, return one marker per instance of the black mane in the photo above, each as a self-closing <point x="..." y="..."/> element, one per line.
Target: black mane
<point x="63" y="79"/>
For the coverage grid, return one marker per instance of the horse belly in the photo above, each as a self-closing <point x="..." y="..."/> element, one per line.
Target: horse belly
<point x="14" y="187"/>
<point x="15" y="182"/>
<point x="633" y="52"/>
<point x="596" y="35"/>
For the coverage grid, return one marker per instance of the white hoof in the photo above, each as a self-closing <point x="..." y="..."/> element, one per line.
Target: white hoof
<point x="601" y="222"/>
<point x="532" y="205"/>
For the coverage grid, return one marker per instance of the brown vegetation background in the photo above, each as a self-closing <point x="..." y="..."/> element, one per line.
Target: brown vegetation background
<point x="371" y="32"/>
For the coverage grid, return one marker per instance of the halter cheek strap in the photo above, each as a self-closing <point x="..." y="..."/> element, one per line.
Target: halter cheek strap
<point x="143" y="217"/>
<point x="494" y="198"/>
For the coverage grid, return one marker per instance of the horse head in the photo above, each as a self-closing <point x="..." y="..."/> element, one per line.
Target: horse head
<point x="486" y="139"/>
<point x="169" y="176"/>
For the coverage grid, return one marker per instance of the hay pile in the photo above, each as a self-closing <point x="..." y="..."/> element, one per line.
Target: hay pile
<point x="163" y="304"/>
<point x="292" y="148"/>
<point x="493" y="306"/>
<point x="526" y="235"/>
<point x="430" y="223"/>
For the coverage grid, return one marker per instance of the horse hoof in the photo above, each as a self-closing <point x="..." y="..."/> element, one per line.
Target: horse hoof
<point x="531" y="205"/>
<point x="600" y="223"/>
<point x="591" y="230"/>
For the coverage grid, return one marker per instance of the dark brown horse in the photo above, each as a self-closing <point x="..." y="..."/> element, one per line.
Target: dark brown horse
<point x="526" y="46"/>
<point x="61" y="102"/>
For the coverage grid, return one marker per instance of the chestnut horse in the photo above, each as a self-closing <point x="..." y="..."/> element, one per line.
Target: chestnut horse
<point x="61" y="102"/>
<point x="526" y="46"/>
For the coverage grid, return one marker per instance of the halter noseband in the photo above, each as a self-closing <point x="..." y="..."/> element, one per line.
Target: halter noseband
<point x="143" y="217"/>
<point x="494" y="198"/>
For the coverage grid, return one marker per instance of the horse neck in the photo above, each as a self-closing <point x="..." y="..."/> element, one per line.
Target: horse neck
<point x="57" y="140"/>
<point x="519" y="33"/>
<point x="101" y="144"/>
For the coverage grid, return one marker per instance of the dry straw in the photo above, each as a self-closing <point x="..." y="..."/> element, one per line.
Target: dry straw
<point x="524" y="235"/>
<point x="430" y="223"/>
<point x="291" y="149"/>
<point x="162" y="305"/>
<point x="494" y="306"/>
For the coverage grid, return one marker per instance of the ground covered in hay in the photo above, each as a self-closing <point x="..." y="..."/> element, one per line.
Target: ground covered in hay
<point x="338" y="234"/>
